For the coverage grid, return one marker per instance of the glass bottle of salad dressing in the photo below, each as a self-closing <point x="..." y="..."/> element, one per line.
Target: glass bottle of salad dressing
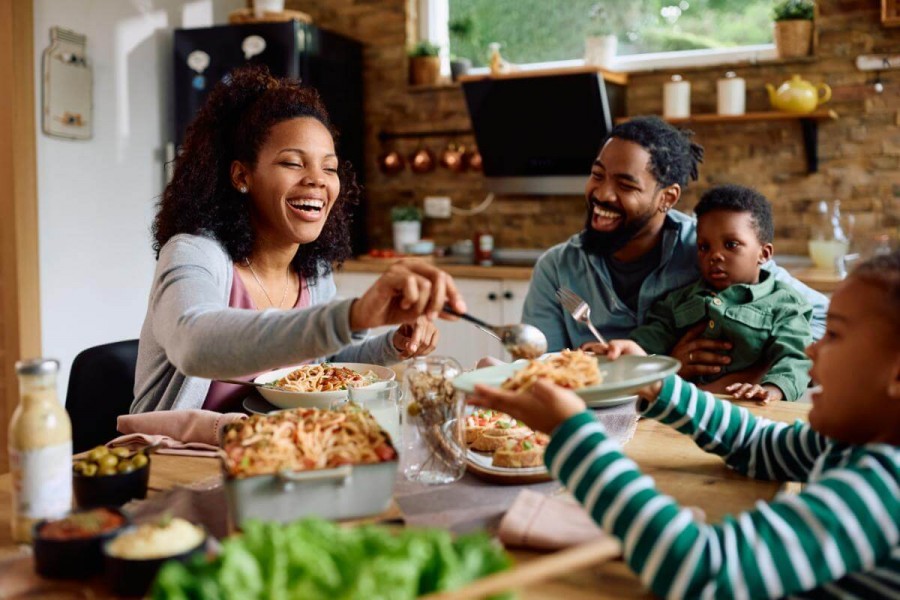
<point x="40" y="449"/>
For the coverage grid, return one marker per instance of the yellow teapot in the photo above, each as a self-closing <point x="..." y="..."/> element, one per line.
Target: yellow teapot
<point x="798" y="95"/>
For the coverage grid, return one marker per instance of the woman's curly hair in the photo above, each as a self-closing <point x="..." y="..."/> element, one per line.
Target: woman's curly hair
<point x="233" y="124"/>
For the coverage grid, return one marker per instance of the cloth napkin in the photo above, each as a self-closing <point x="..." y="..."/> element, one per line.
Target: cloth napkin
<point x="184" y="432"/>
<point x="543" y="522"/>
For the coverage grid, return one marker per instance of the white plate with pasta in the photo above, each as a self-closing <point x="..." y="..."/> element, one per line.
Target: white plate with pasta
<point x="319" y="385"/>
<point x="599" y="381"/>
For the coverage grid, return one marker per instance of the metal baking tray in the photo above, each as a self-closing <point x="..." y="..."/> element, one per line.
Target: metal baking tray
<point x="345" y="492"/>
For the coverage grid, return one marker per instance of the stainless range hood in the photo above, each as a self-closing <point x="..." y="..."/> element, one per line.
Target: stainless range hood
<point x="540" y="134"/>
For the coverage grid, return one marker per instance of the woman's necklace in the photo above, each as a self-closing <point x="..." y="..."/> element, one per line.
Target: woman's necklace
<point x="287" y="280"/>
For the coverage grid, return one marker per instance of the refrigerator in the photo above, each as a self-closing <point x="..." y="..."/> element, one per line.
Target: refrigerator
<point x="327" y="61"/>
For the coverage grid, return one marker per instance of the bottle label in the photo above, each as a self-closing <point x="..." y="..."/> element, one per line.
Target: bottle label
<point x="42" y="481"/>
<point x="486" y="242"/>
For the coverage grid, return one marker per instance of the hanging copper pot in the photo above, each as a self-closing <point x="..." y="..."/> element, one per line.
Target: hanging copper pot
<point x="453" y="158"/>
<point x="422" y="160"/>
<point x="391" y="162"/>
<point x="473" y="158"/>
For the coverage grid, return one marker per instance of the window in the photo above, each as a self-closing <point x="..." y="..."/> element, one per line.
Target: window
<point x="651" y="33"/>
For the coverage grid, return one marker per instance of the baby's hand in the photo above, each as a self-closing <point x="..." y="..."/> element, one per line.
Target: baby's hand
<point x="543" y="407"/>
<point x="614" y="349"/>
<point x="763" y="394"/>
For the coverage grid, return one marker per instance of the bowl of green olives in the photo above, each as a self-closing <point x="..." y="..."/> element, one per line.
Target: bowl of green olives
<point x="110" y="477"/>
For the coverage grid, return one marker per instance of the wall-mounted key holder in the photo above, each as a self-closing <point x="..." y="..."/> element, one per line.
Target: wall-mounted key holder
<point x="67" y="86"/>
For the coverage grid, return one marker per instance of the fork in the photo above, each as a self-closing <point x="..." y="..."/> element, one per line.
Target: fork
<point x="579" y="310"/>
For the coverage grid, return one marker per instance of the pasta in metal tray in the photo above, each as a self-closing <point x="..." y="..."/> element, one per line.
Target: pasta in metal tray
<point x="303" y="439"/>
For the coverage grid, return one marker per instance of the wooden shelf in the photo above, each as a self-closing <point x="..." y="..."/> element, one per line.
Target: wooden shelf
<point x="809" y="122"/>
<point x="611" y="76"/>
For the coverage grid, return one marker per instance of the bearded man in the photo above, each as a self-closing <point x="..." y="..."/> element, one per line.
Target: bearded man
<point x="635" y="249"/>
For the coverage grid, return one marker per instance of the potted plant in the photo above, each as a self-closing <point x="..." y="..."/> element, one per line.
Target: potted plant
<point x="424" y="64"/>
<point x="793" y="27"/>
<point x="601" y="43"/>
<point x="407" y="225"/>
<point x="462" y="32"/>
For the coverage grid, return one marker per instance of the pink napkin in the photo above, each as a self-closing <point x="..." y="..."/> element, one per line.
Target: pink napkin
<point x="546" y="523"/>
<point x="184" y="432"/>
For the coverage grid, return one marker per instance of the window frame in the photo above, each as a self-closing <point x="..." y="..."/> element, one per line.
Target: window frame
<point x="434" y="16"/>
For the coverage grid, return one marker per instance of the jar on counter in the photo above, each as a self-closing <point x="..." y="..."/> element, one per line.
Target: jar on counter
<point x="483" y="243"/>
<point x="40" y="449"/>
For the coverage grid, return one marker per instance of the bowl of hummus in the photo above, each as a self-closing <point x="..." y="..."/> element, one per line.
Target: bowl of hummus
<point x="134" y="556"/>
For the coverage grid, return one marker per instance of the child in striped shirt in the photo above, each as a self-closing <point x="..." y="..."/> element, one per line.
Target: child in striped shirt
<point x="840" y="537"/>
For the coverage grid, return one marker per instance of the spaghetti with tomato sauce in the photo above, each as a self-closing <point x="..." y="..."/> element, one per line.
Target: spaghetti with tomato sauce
<point x="304" y="439"/>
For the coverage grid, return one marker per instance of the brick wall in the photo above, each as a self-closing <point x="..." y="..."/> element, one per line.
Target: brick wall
<point x="859" y="154"/>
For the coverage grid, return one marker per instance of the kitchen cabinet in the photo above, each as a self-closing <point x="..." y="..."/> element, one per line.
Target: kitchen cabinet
<point x="496" y="301"/>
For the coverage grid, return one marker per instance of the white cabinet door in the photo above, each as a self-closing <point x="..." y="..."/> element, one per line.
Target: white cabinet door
<point x="354" y="285"/>
<point x="514" y="292"/>
<point x="461" y="339"/>
<point x="491" y="300"/>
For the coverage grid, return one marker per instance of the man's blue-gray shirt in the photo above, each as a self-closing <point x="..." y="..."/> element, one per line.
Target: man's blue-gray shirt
<point x="569" y="265"/>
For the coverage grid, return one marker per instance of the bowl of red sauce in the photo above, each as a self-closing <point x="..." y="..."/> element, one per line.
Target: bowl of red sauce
<point x="71" y="547"/>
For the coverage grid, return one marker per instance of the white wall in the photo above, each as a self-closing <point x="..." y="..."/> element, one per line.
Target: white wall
<point x="96" y="198"/>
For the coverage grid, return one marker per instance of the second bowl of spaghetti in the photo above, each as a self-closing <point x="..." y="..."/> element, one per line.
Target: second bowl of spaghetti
<point x="319" y="385"/>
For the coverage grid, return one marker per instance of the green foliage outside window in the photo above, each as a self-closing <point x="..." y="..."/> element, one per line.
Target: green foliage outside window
<point x="538" y="31"/>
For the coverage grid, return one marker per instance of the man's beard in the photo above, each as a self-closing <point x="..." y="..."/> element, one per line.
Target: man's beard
<point x="607" y="243"/>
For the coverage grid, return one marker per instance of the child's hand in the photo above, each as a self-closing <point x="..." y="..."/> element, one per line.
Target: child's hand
<point x="763" y="394"/>
<point x="614" y="349"/>
<point x="543" y="407"/>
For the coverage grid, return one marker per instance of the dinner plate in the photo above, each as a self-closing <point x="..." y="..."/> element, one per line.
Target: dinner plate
<point x="286" y="399"/>
<point x="259" y="406"/>
<point x="621" y="377"/>
<point x="481" y="465"/>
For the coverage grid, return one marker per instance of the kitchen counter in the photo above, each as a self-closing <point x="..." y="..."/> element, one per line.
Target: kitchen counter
<point x="800" y="267"/>
<point x="365" y="264"/>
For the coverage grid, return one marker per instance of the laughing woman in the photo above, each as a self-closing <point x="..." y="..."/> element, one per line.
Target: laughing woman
<point x="247" y="232"/>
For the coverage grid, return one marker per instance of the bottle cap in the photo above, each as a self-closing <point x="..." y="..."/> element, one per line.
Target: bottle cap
<point x="730" y="75"/>
<point x="37" y="366"/>
<point x="676" y="78"/>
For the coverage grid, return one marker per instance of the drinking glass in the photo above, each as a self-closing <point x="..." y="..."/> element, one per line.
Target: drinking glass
<point x="432" y="424"/>
<point x="383" y="401"/>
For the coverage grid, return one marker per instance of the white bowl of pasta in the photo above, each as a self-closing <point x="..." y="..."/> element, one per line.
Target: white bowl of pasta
<point x="319" y="385"/>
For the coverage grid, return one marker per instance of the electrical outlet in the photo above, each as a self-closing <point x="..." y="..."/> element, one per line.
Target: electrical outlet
<point x="437" y="207"/>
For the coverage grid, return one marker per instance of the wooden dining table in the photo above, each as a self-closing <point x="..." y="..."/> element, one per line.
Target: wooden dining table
<point x="680" y="469"/>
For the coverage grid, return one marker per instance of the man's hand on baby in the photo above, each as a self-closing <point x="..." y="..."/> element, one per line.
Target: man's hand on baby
<point x="763" y="394"/>
<point x="614" y="349"/>
<point x="544" y="407"/>
<point x="700" y="356"/>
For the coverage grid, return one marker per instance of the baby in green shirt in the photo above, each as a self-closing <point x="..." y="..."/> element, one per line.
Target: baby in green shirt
<point x="764" y="320"/>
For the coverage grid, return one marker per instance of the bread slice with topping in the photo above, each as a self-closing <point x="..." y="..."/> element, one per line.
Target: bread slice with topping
<point x="524" y="452"/>
<point x="496" y="435"/>
<point x="482" y="419"/>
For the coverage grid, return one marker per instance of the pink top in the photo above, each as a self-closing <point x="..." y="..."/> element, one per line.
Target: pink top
<point x="226" y="397"/>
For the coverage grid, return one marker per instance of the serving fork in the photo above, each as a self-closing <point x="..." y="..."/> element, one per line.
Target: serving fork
<point x="579" y="310"/>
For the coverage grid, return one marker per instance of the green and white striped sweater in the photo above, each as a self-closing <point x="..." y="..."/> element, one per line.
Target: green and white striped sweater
<point x="838" y="538"/>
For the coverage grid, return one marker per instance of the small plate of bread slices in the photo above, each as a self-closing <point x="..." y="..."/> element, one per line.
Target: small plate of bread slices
<point x="503" y="450"/>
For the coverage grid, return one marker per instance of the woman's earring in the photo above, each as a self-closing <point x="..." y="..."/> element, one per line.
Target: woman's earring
<point x="243" y="189"/>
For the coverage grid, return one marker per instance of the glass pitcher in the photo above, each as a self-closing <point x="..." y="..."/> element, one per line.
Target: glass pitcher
<point x="433" y="448"/>
<point x="828" y="241"/>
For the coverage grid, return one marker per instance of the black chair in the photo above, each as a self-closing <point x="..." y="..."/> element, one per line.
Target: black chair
<point x="101" y="387"/>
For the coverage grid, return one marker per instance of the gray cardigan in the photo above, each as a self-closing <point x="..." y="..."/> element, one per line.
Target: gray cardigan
<point x="190" y="335"/>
